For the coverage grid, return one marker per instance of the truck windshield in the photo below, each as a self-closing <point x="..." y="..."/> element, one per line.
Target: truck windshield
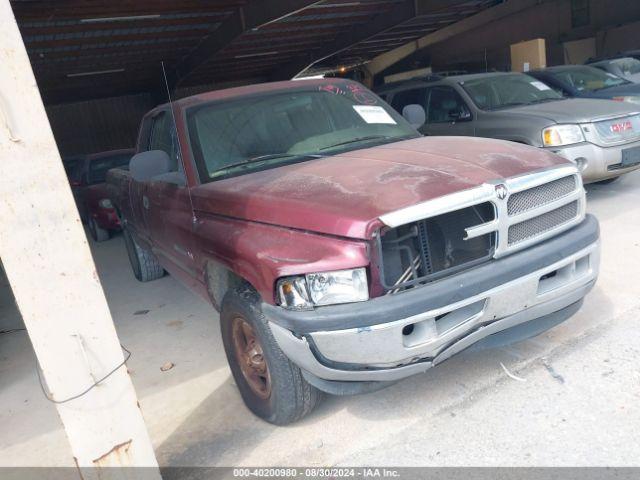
<point x="236" y="137"/>
<point x="494" y="92"/>
<point x="627" y="65"/>
<point x="589" y="79"/>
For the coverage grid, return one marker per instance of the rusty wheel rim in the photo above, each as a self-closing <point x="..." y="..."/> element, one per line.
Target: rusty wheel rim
<point x="250" y="357"/>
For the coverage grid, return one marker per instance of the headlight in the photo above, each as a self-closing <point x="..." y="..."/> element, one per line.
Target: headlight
<point x="559" y="135"/>
<point x="325" y="288"/>
<point x="632" y="99"/>
<point x="105" y="203"/>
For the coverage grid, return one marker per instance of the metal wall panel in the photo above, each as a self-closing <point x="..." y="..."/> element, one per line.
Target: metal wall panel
<point x="98" y="125"/>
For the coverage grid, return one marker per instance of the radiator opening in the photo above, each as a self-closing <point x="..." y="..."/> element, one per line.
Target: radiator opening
<point x="423" y="251"/>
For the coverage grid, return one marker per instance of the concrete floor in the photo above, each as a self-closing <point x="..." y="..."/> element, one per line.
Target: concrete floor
<point x="578" y="404"/>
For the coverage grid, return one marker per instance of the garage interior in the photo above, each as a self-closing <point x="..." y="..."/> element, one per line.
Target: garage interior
<point x="99" y="70"/>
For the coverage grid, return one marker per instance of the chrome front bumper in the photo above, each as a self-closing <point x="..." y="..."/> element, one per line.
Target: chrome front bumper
<point x="595" y="161"/>
<point x="410" y="345"/>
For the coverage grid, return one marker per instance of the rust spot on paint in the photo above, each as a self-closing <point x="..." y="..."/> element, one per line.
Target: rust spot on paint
<point x="116" y="456"/>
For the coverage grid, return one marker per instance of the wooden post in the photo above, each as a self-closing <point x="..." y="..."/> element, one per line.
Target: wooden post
<point x="49" y="265"/>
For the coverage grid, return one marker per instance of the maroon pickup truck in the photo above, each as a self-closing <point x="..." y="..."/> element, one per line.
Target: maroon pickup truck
<point x="343" y="250"/>
<point x="90" y="191"/>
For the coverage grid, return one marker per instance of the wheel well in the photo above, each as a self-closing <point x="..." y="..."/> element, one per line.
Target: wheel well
<point x="219" y="280"/>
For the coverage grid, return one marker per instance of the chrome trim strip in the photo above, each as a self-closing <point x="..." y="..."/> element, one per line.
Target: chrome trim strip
<point x="438" y="206"/>
<point x="482" y="229"/>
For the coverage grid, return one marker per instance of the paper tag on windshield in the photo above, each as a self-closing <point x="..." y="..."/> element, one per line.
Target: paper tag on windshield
<point x="373" y="114"/>
<point x="540" y="86"/>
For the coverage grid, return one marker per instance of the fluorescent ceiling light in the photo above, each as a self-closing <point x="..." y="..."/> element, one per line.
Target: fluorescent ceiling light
<point x="329" y="5"/>
<point x="263" y="54"/>
<point x="97" y="72"/>
<point x="119" y="19"/>
<point x="310" y="77"/>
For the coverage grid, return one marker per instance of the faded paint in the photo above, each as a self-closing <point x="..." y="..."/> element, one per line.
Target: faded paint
<point x="345" y="194"/>
<point x="313" y="216"/>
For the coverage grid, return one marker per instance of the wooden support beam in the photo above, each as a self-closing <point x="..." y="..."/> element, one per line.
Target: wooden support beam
<point x="252" y="16"/>
<point x="385" y="60"/>
<point x="48" y="263"/>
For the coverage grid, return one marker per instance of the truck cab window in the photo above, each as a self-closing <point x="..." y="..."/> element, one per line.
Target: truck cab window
<point x="408" y="97"/>
<point x="163" y="137"/>
<point x="445" y="105"/>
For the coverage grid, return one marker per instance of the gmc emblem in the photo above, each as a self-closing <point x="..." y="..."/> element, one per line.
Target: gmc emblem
<point x="621" y="127"/>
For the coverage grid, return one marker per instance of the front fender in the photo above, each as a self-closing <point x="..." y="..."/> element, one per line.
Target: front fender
<point x="261" y="253"/>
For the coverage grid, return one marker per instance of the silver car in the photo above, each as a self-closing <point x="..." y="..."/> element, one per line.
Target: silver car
<point x="601" y="136"/>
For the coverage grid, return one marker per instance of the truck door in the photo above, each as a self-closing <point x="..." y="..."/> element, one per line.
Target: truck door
<point x="447" y="113"/>
<point x="169" y="213"/>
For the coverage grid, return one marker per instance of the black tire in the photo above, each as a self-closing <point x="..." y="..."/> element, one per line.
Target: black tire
<point x="290" y="396"/>
<point x="98" y="233"/>
<point x="607" y="181"/>
<point x="144" y="263"/>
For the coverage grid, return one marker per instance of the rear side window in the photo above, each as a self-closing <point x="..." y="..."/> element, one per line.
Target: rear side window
<point x="408" y="97"/>
<point x="444" y="104"/>
<point x="163" y="137"/>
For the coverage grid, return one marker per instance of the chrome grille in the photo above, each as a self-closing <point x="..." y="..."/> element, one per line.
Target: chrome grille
<point x="543" y="223"/>
<point x="618" y="130"/>
<point x="541" y="195"/>
<point x="536" y="207"/>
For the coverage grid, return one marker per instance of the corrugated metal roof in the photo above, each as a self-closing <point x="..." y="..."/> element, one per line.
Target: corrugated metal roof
<point x="115" y="48"/>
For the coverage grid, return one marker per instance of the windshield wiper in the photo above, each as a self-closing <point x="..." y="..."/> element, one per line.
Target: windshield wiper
<point x="359" y="139"/>
<point x="511" y="104"/>
<point x="544" y="100"/>
<point x="261" y="158"/>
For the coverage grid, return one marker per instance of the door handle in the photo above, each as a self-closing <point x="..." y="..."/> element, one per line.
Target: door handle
<point x="145" y="202"/>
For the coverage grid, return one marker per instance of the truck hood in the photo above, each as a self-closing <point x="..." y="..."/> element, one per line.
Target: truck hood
<point x="575" y="110"/>
<point x="344" y="194"/>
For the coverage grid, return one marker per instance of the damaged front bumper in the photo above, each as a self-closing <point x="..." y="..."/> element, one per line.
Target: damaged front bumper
<point x="395" y="336"/>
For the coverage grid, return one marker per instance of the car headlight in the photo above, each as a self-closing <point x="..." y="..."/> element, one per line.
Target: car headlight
<point x="632" y="99"/>
<point x="105" y="203"/>
<point x="559" y="135"/>
<point x="324" y="288"/>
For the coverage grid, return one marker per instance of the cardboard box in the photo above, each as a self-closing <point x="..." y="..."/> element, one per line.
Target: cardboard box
<point x="528" y="55"/>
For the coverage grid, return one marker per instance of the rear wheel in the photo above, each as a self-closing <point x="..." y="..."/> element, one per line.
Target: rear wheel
<point x="98" y="233"/>
<point x="270" y="384"/>
<point x="144" y="263"/>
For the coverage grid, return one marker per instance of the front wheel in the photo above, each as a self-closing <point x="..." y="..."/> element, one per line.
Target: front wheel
<point x="270" y="384"/>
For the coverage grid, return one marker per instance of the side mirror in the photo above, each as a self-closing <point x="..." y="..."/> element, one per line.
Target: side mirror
<point x="146" y="165"/>
<point x="414" y="114"/>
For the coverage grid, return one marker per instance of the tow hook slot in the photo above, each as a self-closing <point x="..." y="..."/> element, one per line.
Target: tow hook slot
<point x="430" y="329"/>
<point x="564" y="275"/>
